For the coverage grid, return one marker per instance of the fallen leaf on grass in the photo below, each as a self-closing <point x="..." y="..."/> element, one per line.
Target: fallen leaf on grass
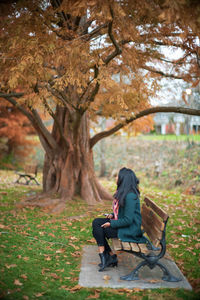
<point x="64" y="287"/>
<point x="17" y="282"/>
<point x="10" y="266"/>
<point x="91" y="240"/>
<point x="74" y="246"/>
<point x="73" y="238"/>
<point x="76" y="254"/>
<point x="95" y="296"/>
<point x="39" y="294"/>
<point x="24" y="276"/>
<point x="26" y="258"/>
<point x="75" y="288"/>
<point x="48" y="258"/>
<point x="60" y="270"/>
<point x="45" y="270"/>
<point x="51" y="234"/>
<point x="137" y="290"/>
<point x="174" y="246"/>
<point x="54" y="275"/>
<point x="25" y="297"/>
<point x="60" y="250"/>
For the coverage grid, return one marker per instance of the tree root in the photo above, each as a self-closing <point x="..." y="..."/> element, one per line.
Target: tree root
<point x="51" y="206"/>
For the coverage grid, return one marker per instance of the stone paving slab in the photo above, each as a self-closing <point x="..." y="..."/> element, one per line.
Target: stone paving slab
<point x="149" y="279"/>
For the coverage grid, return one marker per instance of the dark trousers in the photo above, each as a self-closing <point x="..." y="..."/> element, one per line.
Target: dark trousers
<point x="101" y="234"/>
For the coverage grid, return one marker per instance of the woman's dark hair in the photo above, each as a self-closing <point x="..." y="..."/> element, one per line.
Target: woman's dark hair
<point x="127" y="183"/>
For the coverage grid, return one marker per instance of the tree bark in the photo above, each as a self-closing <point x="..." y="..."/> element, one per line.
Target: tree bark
<point x="69" y="169"/>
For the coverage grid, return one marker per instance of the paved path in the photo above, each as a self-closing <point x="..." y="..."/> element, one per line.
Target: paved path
<point x="149" y="279"/>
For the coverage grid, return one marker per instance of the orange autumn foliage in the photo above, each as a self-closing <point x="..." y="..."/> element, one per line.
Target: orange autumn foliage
<point x="14" y="130"/>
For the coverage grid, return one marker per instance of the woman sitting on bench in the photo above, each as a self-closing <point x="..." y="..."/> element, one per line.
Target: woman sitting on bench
<point x="125" y="221"/>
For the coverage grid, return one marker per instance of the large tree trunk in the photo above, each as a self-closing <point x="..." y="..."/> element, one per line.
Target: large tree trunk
<point x="70" y="170"/>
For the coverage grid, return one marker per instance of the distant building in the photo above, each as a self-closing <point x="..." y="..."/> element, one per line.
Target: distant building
<point x="166" y="123"/>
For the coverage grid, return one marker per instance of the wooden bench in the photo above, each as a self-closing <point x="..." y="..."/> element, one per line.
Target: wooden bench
<point x="154" y="222"/>
<point x="29" y="173"/>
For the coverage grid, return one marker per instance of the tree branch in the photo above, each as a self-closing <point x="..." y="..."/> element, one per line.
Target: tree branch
<point x="56" y="121"/>
<point x="162" y="73"/>
<point x="118" y="50"/>
<point x="152" y="110"/>
<point x="36" y="121"/>
<point x="17" y="95"/>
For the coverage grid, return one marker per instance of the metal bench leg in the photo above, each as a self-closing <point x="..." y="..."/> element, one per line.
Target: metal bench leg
<point x="134" y="274"/>
<point x="167" y="275"/>
<point x="36" y="181"/>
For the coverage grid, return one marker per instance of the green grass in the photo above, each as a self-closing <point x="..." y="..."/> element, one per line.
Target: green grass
<point x="41" y="253"/>
<point x="171" y="137"/>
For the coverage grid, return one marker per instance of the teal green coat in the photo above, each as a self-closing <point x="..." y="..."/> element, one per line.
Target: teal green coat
<point x="129" y="220"/>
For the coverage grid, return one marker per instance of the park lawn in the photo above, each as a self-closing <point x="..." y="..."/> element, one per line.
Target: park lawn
<point x="41" y="253"/>
<point x="171" y="137"/>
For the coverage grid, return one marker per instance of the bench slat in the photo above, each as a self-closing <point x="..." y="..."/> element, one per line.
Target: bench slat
<point x="29" y="169"/>
<point x="157" y="209"/>
<point x="135" y="247"/>
<point x="143" y="248"/>
<point x="126" y="246"/>
<point x="151" y="216"/>
<point x="117" y="244"/>
<point x="153" y="233"/>
<point x="151" y="228"/>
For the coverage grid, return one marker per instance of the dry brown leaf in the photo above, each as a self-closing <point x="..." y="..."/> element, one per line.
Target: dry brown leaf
<point x="153" y="280"/>
<point x="39" y="294"/>
<point x="60" y="250"/>
<point x="26" y="258"/>
<point x="76" y="288"/>
<point x="95" y="296"/>
<point x="91" y="240"/>
<point x="76" y="254"/>
<point x="51" y="234"/>
<point x="106" y="277"/>
<point x="137" y="290"/>
<point x="10" y="266"/>
<point x="54" y="275"/>
<point x="48" y="258"/>
<point x="17" y="282"/>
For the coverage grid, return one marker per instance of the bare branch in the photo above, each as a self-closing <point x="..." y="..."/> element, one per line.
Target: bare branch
<point x="162" y="73"/>
<point x="152" y="110"/>
<point x="118" y="50"/>
<point x="95" y="32"/>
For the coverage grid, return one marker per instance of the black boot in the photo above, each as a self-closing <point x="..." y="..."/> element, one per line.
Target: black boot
<point x="103" y="261"/>
<point x="111" y="260"/>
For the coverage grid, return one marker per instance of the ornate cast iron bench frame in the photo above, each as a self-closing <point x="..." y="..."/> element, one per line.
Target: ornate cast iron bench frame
<point x="154" y="222"/>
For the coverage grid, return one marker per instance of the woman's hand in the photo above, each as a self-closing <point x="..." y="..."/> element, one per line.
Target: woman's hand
<point x="110" y="216"/>
<point x="105" y="225"/>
